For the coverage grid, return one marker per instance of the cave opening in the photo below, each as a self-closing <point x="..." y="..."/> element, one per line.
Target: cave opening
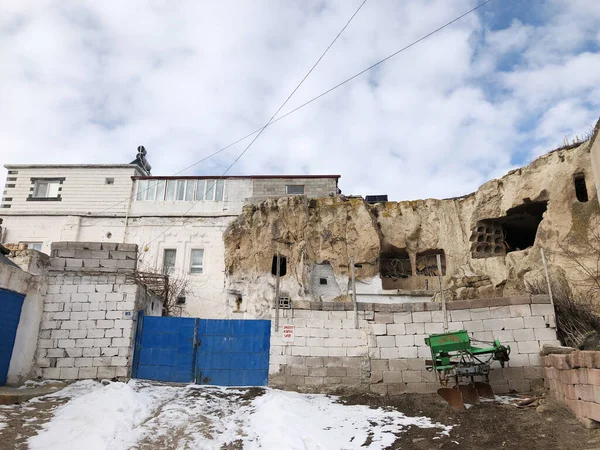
<point x="426" y="262"/>
<point x="580" y="187"/>
<point x="394" y="263"/>
<point x="282" y="265"/>
<point x="513" y="232"/>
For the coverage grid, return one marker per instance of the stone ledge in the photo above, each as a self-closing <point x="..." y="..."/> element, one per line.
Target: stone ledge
<point x="422" y="306"/>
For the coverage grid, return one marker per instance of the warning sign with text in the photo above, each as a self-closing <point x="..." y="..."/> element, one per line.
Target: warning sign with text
<point x="288" y="333"/>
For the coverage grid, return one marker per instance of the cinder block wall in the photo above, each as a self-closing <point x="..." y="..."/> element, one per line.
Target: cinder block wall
<point x="574" y="381"/>
<point x="90" y="311"/>
<point x="387" y="353"/>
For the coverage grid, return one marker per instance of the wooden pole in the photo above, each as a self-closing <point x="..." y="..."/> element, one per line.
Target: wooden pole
<point x="278" y="262"/>
<point x="547" y="277"/>
<point x="354" y="292"/>
<point x="444" y="311"/>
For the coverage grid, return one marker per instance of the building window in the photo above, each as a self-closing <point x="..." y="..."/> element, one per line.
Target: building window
<point x="46" y="189"/>
<point x="323" y="281"/>
<point x="33" y="246"/>
<point x="580" y="188"/>
<point x="197" y="261"/>
<point x="169" y="257"/>
<point x="294" y="189"/>
<point x="109" y="181"/>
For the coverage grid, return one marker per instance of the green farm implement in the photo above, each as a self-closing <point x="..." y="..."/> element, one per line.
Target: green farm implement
<point x="453" y="358"/>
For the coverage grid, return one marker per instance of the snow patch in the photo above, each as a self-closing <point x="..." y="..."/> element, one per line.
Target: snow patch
<point x="96" y="417"/>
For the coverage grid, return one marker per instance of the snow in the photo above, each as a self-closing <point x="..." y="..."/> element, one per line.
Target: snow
<point x="121" y="416"/>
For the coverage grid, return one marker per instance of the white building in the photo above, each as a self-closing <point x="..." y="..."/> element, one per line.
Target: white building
<point x="177" y="222"/>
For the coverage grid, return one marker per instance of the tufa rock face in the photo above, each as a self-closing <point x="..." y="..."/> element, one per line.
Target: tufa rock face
<point x="489" y="240"/>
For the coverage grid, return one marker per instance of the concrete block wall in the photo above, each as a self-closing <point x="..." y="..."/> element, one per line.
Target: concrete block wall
<point x="89" y="318"/>
<point x="276" y="187"/>
<point x="388" y="349"/>
<point x="574" y="380"/>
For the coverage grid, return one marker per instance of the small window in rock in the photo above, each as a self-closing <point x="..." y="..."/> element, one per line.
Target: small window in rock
<point x="109" y="181"/>
<point x="323" y="281"/>
<point x="580" y="187"/>
<point x="285" y="303"/>
<point x="294" y="189"/>
<point x="282" y="265"/>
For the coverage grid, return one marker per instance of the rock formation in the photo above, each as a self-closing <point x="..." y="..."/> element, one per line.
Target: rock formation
<point x="489" y="241"/>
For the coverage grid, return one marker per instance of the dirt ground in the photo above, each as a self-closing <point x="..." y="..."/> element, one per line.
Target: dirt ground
<point x="487" y="426"/>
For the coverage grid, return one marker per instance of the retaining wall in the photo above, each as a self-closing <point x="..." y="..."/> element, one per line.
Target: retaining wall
<point x="574" y="381"/>
<point x="90" y="311"/>
<point x="387" y="353"/>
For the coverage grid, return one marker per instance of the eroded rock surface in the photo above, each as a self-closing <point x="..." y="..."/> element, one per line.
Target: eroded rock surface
<point x="489" y="240"/>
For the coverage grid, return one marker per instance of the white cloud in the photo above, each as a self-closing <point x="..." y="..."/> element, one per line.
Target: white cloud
<point x="90" y="81"/>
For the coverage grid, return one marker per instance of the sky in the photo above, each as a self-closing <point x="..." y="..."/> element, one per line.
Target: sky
<point x="88" y="81"/>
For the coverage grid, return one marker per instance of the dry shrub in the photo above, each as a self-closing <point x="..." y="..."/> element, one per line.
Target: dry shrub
<point x="576" y="315"/>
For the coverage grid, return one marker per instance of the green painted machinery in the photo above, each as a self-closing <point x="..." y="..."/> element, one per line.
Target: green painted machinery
<point x="454" y="358"/>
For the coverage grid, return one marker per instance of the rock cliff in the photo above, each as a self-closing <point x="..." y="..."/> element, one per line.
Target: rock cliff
<point x="489" y="241"/>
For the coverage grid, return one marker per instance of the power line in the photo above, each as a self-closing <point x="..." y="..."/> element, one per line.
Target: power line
<point x="259" y="130"/>
<point x="272" y="117"/>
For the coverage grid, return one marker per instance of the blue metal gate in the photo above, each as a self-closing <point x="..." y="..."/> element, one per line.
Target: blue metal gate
<point x="11" y="304"/>
<point x="204" y="351"/>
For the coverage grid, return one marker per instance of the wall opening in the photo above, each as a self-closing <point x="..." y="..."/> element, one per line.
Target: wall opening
<point x="513" y="232"/>
<point x="426" y="262"/>
<point x="580" y="187"/>
<point x="323" y="281"/>
<point x="394" y="263"/>
<point x="282" y="265"/>
<point x="324" y="286"/>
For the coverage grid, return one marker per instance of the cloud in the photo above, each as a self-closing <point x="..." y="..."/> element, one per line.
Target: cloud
<point x="87" y="82"/>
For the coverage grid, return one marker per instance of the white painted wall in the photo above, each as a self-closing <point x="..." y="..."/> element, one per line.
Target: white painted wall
<point x="34" y="288"/>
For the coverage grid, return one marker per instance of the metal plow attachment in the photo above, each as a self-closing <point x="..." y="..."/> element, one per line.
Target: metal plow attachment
<point x="469" y="394"/>
<point x="484" y="390"/>
<point x="453" y="397"/>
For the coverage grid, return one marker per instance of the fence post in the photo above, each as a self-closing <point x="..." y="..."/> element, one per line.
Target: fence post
<point x="354" y="292"/>
<point x="444" y="311"/>
<point x="277" y="261"/>
<point x="547" y="278"/>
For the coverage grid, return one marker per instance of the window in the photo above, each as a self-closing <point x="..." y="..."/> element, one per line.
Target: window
<point x="169" y="260"/>
<point x="142" y="188"/>
<point x="160" y="190"/>
<point x="197" y="261"/>
<point x="46" y="189"/>
<point x="200" y="190"/>
<point x="109" y="181"/>
<point x="282" y="265"/>
<point x="219" y="190"/>
<point x="294" y="189"/>
<point x="171" y="189"/>
<point x="33" y="246"/>
<point x="189" y="190"/>
<point x="323" y="281"/>
<point x="180" y="189"/>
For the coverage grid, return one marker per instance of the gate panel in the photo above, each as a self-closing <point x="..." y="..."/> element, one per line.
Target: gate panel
<point x="166" y="349"/>
<point x="11" y="304"/>
<point x="233" y="352"/>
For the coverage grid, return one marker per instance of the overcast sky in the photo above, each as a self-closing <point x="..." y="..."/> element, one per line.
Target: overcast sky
<point x="89" y="81"/>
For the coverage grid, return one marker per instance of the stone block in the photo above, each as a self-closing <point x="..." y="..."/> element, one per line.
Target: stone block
<point x="318" y="351"/>
<point x="88" y="373"/>
<point x="480" y="313"/>
<point x="69" y="373"/>
<point x="404" y="352"/>
<point x="357" y="351"/>
<point x="513" y="323"/>
<point x="402" y="317"/>
<point x="83" y="362"/>
<point x="492" y="325"/>
<point x="528" y="346"/>
<point x="337" y="351"/>
<point x="513" y="373"/>
<point x="412" y="376"/>
<point x="78" y="334"/>
<point x="421" y="317"/>
<point x="545" y="334"/>
<point x="119" y="361"/>
<point x="313" y="381"/>
<point x="460" y="315"/>
<point x="405" y="341"/>
<point x="105" y="323"/>
<point x="500" y="312"/>
<point x="106" y="372"/>
<point x="391" y="352"/>
<point x="300" y="351"/>
<point x="519" y="385"/>
<point x="381" y="389"/>
<point x="473" y="325"/>
<point x="520" y="310"/>
<point x="392" y="377"/>
<point x="525" y="334"/>
<point x="52" y="373"/>
<point x="542" y="310"/>
<point x="386" y="341"/>
<point x="415" y="328"/>
<point x="434" y="327"/>
<point x="62" y="343"/>
<point x="84" y="343"/>
<point x="396" y="329"/>
<point x="381" y="317"/>
<point x="380" y="365"/>
<point x="74" y="352"/>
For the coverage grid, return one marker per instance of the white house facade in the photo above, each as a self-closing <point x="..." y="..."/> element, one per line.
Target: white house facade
<point x="177" y="222"/>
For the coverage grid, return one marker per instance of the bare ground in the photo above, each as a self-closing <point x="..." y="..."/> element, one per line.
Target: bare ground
<point x="486" y="426"/>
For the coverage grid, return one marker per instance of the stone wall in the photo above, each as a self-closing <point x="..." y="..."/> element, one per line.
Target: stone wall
<point x="90" y="311"/>
<point x="387" y="353"/>
<point x="574" y="380"/>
